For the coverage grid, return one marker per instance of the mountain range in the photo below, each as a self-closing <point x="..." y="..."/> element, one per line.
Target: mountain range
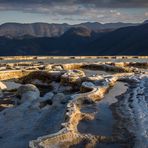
<point x="69" y="40"/>
<point x="17" y="30"/>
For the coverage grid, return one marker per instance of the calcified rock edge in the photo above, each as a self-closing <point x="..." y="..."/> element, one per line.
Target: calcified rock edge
<point x="50" y="119"/>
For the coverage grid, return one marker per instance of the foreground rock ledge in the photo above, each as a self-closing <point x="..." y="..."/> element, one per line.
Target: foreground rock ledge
<point x="69" y="88"/>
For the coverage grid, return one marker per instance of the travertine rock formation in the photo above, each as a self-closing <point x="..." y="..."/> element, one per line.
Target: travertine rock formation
<point x="46" y="103"/>
<point x="28" y="92"/>
<point x="69" y="133"/>
<point x="73" y="77"/>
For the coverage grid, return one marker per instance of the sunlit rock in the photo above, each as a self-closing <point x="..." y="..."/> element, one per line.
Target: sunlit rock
<point x="57" y="67"/>
<point x="72" y="77"/>
<point x="10" y="66"/>
<point x="2" y="86"/>
<point x="48" y="67"/>
<point x="70" y="97"/>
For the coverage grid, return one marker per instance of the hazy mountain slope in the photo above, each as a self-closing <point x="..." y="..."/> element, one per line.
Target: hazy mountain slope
<point x="71" y="42"/>
<point x="82" y="41"/>
<point x="95" y="26"/>
<point x="16" y="30"/>
<point x="128" y="40"/>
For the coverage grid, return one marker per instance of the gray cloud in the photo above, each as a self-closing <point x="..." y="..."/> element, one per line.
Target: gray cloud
<point x="96" y="3"/>
<point x="68" y="7"/>
<point x="81" y="10"/>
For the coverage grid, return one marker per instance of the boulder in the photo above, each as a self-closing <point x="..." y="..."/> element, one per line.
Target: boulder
<point x="72" y="77"/>
<point x="57" y="67"/>
<point x="28" y="92"/>
<point x="86" y="86"/>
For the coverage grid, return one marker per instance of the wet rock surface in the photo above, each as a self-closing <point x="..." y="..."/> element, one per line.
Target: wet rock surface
<point x="104" y="119"/>
<point x="73" y="105"/>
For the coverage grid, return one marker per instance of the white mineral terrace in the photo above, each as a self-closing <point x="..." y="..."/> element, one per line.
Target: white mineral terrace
<point x="73" y="105"/>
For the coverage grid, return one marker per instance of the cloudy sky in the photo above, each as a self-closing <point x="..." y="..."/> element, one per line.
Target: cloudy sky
<point x="73" y="11"/>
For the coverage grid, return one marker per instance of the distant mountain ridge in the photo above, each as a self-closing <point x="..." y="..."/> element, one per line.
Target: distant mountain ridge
<point x="145" y="22"/>
<point x="81" y="40"/>
<point x="132" y="40"/>
<point x="99" y="26"/>
<point x="18" y="30"/>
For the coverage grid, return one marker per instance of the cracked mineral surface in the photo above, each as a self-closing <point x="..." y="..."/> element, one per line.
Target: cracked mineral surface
<point x="71" y="102"/>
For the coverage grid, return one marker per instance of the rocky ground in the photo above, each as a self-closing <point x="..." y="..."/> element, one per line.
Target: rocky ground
<point x="73" y="105"/>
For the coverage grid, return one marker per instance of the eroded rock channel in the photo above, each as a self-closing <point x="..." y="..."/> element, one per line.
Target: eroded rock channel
<point x="73" y="105"/>
<point x="104" y="119"/>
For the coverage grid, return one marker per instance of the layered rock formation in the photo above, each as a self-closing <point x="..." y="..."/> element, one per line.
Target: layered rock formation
<point x="44" y="107"/>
